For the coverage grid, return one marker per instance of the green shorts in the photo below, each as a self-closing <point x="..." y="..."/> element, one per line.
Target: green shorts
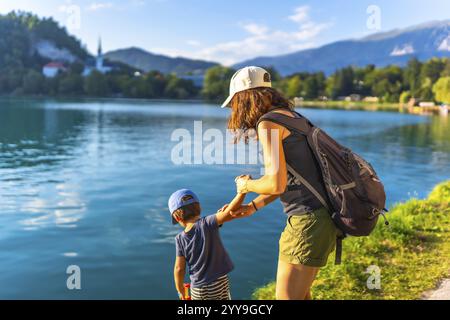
<point x="308" y="239"/>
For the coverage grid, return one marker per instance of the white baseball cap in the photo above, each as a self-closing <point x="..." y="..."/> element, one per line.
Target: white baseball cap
<point x="248" y="78"/>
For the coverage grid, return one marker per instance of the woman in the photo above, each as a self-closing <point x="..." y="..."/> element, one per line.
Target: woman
<point x="310" y="235"/>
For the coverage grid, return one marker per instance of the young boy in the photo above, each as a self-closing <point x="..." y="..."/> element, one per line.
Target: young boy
<point x="200" y="247"/>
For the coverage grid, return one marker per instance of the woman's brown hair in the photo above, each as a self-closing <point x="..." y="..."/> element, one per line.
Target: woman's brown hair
<point x="248" y="106"/>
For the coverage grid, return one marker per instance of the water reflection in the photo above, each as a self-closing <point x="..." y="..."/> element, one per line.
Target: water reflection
<point x="62" y="207"/>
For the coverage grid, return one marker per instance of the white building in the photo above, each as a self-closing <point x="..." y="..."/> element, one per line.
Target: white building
<point x="52" y="69"/>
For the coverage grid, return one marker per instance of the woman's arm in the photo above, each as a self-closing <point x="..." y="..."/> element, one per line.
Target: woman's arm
<point x="275" y="178"/>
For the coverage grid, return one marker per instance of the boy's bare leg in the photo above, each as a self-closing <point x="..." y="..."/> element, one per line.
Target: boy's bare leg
<point x="294" y="281"/>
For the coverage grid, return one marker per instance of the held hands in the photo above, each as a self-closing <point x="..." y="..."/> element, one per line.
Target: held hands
<point x="243" y="211"/>
<point x="236" y="209"/>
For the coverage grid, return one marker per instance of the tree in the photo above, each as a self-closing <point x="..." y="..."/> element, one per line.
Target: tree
<point x="432" y="69"/>
<point x="178" y="88"/>
<point x="51" y="85"/>
<point x="441" y="90"/>
<point x="157" y="83"/>
<point x="311" y="88"/>
<point x="71" y="84"/>
<point x="321" y="84"/>
<point x="411" y="75"/>
<point x="76" y="68"/>
<point x="426" y="90"/>
<point x="33" y="82"/>
<point x="293" y="87"/>
<point x="15" y="44"/>
<point x="342" y="83"/>
<point x="329" y="87"/>
<point x="96" y="84"/>
<point x="217" y="83"/>
<point x="386" y="83"/>
<point x="405" y="97"/>
<point x="446" y="70"/>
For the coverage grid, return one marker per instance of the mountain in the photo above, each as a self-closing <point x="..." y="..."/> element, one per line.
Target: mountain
<point x="423" y="41"/>
<point x="146" y="61"/>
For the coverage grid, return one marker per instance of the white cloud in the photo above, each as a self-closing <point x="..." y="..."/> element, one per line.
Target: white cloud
<point x="301" y="14"/>
<point x="255" y="29"/>
<point x="258" y="40"/>
<point x="95" y="6"/>
<point x="261" y="40"/>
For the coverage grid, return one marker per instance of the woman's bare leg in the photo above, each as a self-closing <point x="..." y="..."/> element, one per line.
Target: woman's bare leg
<point x="294" y="281"/>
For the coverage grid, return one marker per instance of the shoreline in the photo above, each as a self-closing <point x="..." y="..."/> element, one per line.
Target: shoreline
<point x="413" y="255"/>
<point x="372" y="106"/>
<point x="310" y="104"/>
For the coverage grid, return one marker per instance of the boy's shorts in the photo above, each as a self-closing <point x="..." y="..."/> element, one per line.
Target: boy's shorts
<point x="308" y="239"/>
<point x="217" y="290"/>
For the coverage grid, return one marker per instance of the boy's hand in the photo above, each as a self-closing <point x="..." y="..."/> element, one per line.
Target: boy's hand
<point x="223" y="208"/>
<point x="224" y="214"/>
<point x="244" y="211"/>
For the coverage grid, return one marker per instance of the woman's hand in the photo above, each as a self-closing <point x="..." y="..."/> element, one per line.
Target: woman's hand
<point x="245" y="210"/>
<point x="241" y="183"/>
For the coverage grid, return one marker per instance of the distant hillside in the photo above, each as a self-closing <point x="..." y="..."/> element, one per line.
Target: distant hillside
<point x="29" y="41"/>
<point x="395" y="47"/>
<point x="147" y="61"/>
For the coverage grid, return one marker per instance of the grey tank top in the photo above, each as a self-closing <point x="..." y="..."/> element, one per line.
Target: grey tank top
<point x="297" y="199"/>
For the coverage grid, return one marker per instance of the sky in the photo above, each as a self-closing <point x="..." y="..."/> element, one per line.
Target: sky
<point x="228" y="31"/>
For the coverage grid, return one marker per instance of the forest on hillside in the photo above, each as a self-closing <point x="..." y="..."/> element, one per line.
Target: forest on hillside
<point x="427" y="81"/>
<point x="21" y="73"/>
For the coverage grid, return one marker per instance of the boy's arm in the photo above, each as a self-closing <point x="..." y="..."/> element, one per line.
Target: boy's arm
<point x="257" y="203"/>
<point x="225" y="216"/>
<point x="178" y="273"/>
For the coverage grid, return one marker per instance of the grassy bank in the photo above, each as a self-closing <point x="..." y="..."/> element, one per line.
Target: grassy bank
<point x="413" y="254"/>
<point x="352" y="105"/>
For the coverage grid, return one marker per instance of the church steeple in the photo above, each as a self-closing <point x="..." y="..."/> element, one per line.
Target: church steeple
<point x="99" y="50"/>
<point x="99" y="60"/>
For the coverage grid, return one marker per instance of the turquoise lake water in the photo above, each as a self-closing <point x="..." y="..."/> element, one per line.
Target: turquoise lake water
<point x="86" y="183"/>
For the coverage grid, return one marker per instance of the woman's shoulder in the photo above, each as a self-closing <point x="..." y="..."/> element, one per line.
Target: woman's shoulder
<point x="269" y="124"/>
<point x="275" y="119"/>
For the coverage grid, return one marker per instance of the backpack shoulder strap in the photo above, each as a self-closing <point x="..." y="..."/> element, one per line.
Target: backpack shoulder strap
<point x="308" y="186"/>
<point x="299" y="124"/>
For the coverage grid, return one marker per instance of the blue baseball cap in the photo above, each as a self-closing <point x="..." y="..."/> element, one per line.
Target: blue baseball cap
<point x="176" y="200"/>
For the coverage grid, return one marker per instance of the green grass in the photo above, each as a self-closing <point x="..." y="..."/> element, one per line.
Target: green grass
<point x="413" y="253"/>
<point x="352" y="105"/>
